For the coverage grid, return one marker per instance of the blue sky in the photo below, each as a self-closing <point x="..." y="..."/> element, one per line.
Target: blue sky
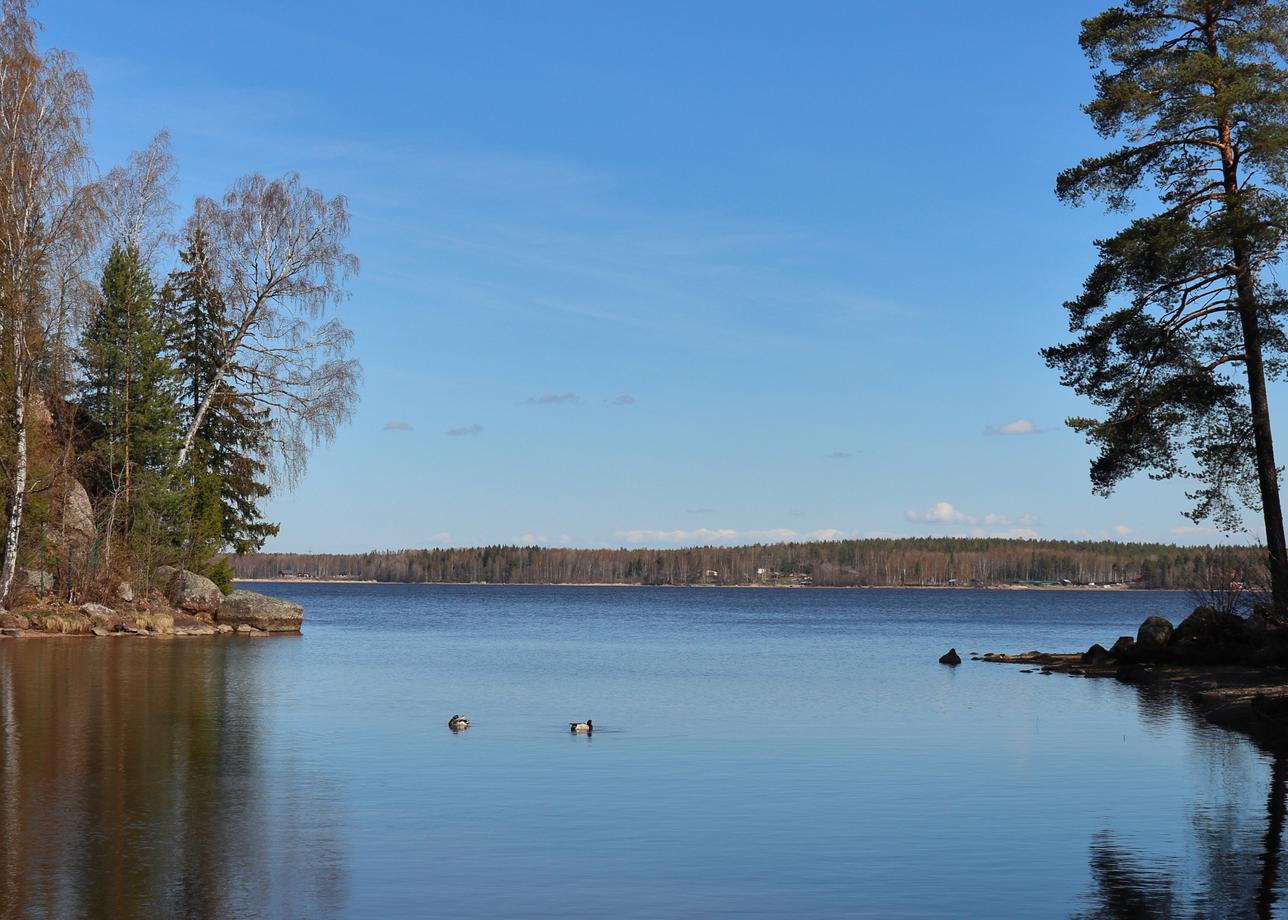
<point x="668" y="274"/>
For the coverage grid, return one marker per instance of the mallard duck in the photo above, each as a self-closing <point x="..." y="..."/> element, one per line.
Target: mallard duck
<point x="458" y="723"/>
<point x="587" y="726"/>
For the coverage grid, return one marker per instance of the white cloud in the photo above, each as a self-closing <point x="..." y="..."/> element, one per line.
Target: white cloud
<point x="1013" y="427"/>
<point x="1123" y="530"/>
<point x="996" y="520"/>
<point x="940" y="513"/>
<point x="441" y="537"/>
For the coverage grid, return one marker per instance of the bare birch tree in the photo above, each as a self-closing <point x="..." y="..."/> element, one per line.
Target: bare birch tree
<point x="277" y="253"/>
<point x="44" y="112"/>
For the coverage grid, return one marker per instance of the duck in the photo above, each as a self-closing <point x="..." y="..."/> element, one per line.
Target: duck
<point x="458" y="723"/>
<point x="587" y="726"/>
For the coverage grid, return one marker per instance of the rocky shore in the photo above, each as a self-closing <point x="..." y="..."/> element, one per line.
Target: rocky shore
<point x="181" y="603"/>
<point x="1235" y="670"/>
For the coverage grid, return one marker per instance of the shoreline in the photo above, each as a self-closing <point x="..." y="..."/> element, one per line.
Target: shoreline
<point x="622" y="584"/>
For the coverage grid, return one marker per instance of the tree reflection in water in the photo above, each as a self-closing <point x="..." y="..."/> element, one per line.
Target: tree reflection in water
<point x="1239" y="869"/>
<point x="138" y="783"/>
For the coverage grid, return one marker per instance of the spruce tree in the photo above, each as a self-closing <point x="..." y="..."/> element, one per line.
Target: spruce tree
<point x="226" y="477"/>
<point x="129" y="396"/>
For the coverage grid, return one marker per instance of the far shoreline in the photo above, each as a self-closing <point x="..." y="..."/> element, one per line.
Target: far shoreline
<point x="619" y="584"/>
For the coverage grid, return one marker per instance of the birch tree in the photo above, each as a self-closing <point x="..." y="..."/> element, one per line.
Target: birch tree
<point x="44" y="113"/>
<point x="276" y="250"/>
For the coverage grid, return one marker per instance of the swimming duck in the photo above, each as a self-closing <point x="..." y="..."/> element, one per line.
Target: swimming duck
<point x="458" y="723"/>
<point x="587" y="726"/>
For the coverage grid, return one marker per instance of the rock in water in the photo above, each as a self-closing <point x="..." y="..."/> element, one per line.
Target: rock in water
<point x="1095" y="655"/>
<point x="951" y="657"/>
<point x="272" y="614"/>
<point x="1121" y="646"/>
<point x="1153" y="636"/>
<point x="193" y="593"/>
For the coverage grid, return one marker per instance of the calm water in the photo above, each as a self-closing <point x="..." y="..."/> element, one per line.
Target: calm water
<point x="757" y="753"/>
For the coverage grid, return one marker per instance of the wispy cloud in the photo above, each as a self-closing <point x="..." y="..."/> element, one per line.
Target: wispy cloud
<point x="552" y="399"/>
<point x="940" y="513"/>
<point x="397" y="426"/>
<point x="839" y="455"/>
<point x="1123" y="530"/>
<point x="1017" y="426"/>
<point x="464" y="431"/>
<point x="626" y="399"/>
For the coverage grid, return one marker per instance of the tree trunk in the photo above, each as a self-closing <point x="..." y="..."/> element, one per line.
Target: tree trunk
<point x="17" y="505"/>
<point x="1267" y="473"/>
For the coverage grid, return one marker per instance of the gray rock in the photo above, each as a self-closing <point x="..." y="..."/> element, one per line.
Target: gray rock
<point x="125" y="591"/>
<point x="100" y="631"/>
<point x="271" y="614"/>
<point x="243" y="628"/>
<point x="162" y="576"/>
<point x="223" y="628"/>
<point x="1121" y="645"/>
<point x="97" y="610"/>
<point x="73" y="516"/>
<point x="35" y="580"/>
<point x="193" y="593"/>
<point x="11" y="633"/>
<point x="1154" y="635"/>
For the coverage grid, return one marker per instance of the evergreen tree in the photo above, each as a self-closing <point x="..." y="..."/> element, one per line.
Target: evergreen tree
<point x="226" y="478"/>
<point x="129" y="396"/>
<point x="1181" y="323"/>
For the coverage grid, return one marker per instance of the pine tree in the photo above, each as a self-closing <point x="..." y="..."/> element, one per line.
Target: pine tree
<point x="129" y="396"/>
<point x="1182" y="323"/>
<point x="226" y="477"/>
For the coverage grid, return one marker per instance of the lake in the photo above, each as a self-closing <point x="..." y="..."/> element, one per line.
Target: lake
<point x="757" y="753"/>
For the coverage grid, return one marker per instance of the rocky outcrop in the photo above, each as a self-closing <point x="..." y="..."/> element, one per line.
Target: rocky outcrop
<point x="125" y="591"/>
<point x="950" y="657"/>
<point x="1097" y="654"/>
<point x="72" y="517"/>
<point x="193" y="593"/>
<point x="1210" y="636"/>
<point x="271" y="614"/>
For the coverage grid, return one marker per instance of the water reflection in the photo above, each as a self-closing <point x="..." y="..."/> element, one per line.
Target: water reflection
<point x="1237" y="866"/>
<point x="137" y="784"/>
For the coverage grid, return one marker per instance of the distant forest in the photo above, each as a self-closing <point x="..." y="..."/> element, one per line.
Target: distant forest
<point x="840" y="563"/>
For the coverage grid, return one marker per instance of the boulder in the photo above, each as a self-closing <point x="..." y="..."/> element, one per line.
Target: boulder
<point x="73" y="517"/>
<point x="36" y="581"/>
<point x="125" y="591"/>
<point x="97" y="610"/>
<point x="101" y="617"/>
<point x="11" y="633"/>
<point x="162" y="575"/>
<point x="1097" y="654"/>
<point x="1121" y="646"/>
<point x="223" y="628"/>
<point x="100" y="631"/>
<point x="1153" y="636"/>
<point x="272" y="614"/>
<point x="949" y="657"/>
<point x="13" y="620"/>
<point x="1210" y="636"/>
<point x="193" y="593"/>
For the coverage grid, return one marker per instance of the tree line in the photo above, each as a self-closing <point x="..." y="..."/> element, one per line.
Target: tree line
<point x="157" y="383"/>
<point x="928" y="561"/>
